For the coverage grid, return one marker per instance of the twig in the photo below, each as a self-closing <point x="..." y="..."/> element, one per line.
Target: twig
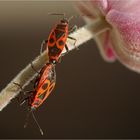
<point x="82" y="35"/>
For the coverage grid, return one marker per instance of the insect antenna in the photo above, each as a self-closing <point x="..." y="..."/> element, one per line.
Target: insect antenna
<point x="41" y="131"/>
<point x="22" y="102"/>
<point x="27" y="118"/>
<point x="75" y="16"/>
<point x="70" y="18"/>
<point x="60" y="14"/>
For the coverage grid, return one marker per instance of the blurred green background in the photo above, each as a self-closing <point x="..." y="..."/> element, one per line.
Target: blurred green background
<point x="92" y="98"/>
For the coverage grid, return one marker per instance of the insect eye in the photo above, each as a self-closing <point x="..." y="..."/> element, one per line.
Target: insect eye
<point x="61" y="42"/>
<point x="51" y="40"/>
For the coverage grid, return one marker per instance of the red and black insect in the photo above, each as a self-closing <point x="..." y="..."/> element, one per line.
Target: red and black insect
<point x="57" y="39"/>
<point x="43" y="86"/>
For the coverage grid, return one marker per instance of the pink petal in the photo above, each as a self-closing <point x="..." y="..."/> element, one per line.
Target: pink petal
<point x="102" y="40"/>
<point x="108" y="47"/>
<point x="128" y="28"/>
<point x="125" y="6"/>
<point x="123" y="40"/>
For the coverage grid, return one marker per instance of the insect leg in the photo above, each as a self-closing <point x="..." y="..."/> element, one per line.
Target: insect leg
<point x="44" y="42"/>
<point x="22" y="90"/>
<point x="60" y="59"/>
<point x="67" y="50"/>
<point x="75" y="40"/>
<point x="34" y="68"/>
<point x="70" y="18"/>
<point x="19" y="86"/>
<point x="36" y="82"/>
<point x="27" y="118"/>
<point x="24" y="100"/>
<point x="28" y="97"/>
<point x="73" y="29"/>
<point x="66" y="47"/>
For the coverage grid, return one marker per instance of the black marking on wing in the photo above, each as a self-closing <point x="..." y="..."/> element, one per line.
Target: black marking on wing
<point x="45" y="86"/>
<point x="42" y="96"/>
<point x="51" y="40"/>
<point x="61" y="42"/>
<point x="54" y="51"/>
<point x="59" y="34"/>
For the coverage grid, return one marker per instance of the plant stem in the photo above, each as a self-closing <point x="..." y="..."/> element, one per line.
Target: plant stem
<point x="82" y="35"/>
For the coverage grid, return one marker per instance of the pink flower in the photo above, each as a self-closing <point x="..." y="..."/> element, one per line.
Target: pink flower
<point x="122" y="41"/>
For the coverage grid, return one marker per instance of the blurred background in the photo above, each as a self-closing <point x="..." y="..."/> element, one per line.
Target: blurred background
<point x="92" y="98"/>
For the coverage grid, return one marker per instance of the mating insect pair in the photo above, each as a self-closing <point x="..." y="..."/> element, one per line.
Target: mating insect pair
<point x="46" y="78"/>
